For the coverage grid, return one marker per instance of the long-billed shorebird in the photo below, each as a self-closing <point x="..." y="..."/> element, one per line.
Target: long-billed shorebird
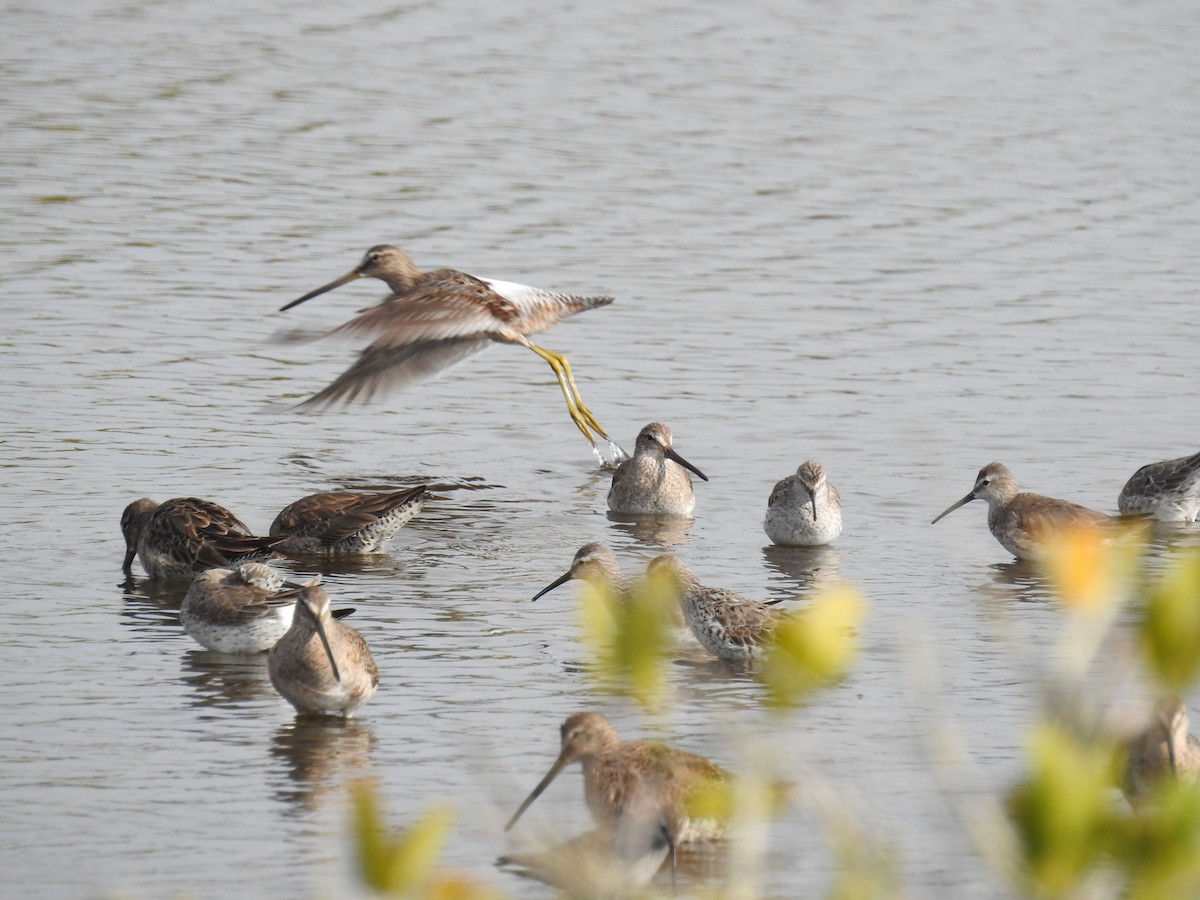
<point x="322" y="665"/>
<point x="804" y="509"/>
<point x="246" y="609"/>
<point x="728" y="625"/>
<point x="1168" y="490"/>
<point x="432" y="320"/>
<point x="598" y="566"/>
<point x="186" y="535"/>
<point x="619" y="774"/>
<point x="654" y="480"/>
<point x="343" y="522"/>
<point x="1164" y="749"/>
<point x="1023" y="521"/>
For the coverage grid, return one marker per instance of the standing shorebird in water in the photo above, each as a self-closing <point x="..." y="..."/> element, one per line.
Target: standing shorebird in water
<point x="653" y="482"/>
<point x="728" y="625"/>
<point x="1022" y="521"/>
<point x="1168" y="490"/>
<point x="344" y="522"/>
<point x="615" y="771"/>
<point x="181" y="537"/>
<point x="242" y="610"/>
<point x="432" y="320"/>
<point x="804" y="509"/>
<point x="322" y="665"/>
<point x="597" y="565"/>
<point x="1164" y="749"/>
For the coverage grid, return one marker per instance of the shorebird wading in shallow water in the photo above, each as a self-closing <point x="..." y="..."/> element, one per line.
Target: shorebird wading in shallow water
<point x="597" y="565"/>
<point x="615" y="772"/>
<point x="1168" y="490"/>
<point x="242" y="610"/>
<point x="1163" y="750"/>
<point x="322" y="665"/>
<point x="337" y="522"/>
<point x="804" y="509"/>
<point x="181" y="537"/>
<point x="1019" y="520"/>
<point x="653" y="482"/>
<point x="432" y="320"/>
<point x="728" y="625"/>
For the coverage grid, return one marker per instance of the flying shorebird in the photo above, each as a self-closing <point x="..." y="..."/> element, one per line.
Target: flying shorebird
<point x="1022" y="521"/>
<point x="432" y="320"/>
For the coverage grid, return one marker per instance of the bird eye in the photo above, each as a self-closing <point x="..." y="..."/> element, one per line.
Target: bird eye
<point x="984" y="482"/>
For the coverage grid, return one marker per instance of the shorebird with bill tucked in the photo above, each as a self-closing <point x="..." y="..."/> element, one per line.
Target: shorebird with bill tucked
<point x="654" y="480"/>
<point x="346" y="522"/>
<point x="1168" y="490"/>
<point x="246" y="609"/>
<point x="1022" y="521"/>
<point x="322" y="665"/>
<point x="186" y="535"/>
<point x="617" y="772"/>
<point x="804" y="510"/>
<point x="434" y="319"/>
<point x="728" y="625"/>
<point x="1164" y="749"/>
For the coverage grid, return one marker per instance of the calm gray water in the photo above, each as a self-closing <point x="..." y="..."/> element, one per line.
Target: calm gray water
<point x="903" y="239"/>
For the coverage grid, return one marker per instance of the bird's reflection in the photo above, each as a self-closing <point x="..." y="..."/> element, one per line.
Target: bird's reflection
<point x="806" y="567"/>
<point x="151" y="607"/>
<point x="660" y="532"/>
<point x="226" y="680"/>
<point x="322" y="754"/>
<point x="1022" y="580"/>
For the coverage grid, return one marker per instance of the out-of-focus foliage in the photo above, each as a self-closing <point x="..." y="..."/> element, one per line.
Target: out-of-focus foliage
<point x="812" y="647"/>
<point x="1170" y="628"/>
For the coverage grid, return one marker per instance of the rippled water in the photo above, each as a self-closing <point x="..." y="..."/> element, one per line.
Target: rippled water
<point x="904" y="240"/>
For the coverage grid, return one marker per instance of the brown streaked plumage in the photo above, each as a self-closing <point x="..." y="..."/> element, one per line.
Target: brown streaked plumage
<point x="246" y="609"/>
<point x="1023" y="521"/>
<point x="619" y="776"/>
<point x="1164" y="749"/>
<point x="322" y="665"/>
<point x="653" y="481"/>
<point x="728" y="625"/>
<point x="1168" y="490"/>
<point x="432" y="320"/>
<point x="346" y="521"/>
<point x="804" y="510"/>
<point x="186" y="535"/>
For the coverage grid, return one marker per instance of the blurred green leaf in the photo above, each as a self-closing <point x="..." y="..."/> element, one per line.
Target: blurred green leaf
<point x="1170" y="626"/>
<point x="1160" y="847"/>
<point x="812" y="647"/>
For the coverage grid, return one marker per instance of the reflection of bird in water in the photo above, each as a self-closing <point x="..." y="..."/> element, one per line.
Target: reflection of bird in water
<point x="432" y="320"/>
<point x="654" y="480"/>
<point x="246" y="609"/>
<point x="323" y="754"/>
<point x="807" y="567"/>
<point x="728" y="625"/>
<point x="1019" y="520"/>
<point x="322" y="665"/>
<point x="659" y="782"/>
<point x="336" y="522"/>
<point x="1163" y="749"/>
<point x="804" y="510"/>
<point x="1168" y="490"/>
<point x="181" y="537"/>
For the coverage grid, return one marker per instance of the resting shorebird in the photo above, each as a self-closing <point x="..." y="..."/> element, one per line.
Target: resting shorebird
<point x="242" y="610"/>
<point x="322" y="665"/>
<point x="653" y="482"/>
<point x="1163" y="749"/>
<point x="181" y="537"/>
<point x="337" y="522"/>
<point x="1022" y="521"/>
<point x="1168" y="490"/>
<point x="432" y="320"/>
<point x="804" y="509"/>
<point x="615" y="772"/>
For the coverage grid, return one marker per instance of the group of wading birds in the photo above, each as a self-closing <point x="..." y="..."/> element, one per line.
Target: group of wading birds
<point x="638" y="792"/>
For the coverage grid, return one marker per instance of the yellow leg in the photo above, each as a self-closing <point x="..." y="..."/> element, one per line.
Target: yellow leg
<point x="579" y="413"/>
